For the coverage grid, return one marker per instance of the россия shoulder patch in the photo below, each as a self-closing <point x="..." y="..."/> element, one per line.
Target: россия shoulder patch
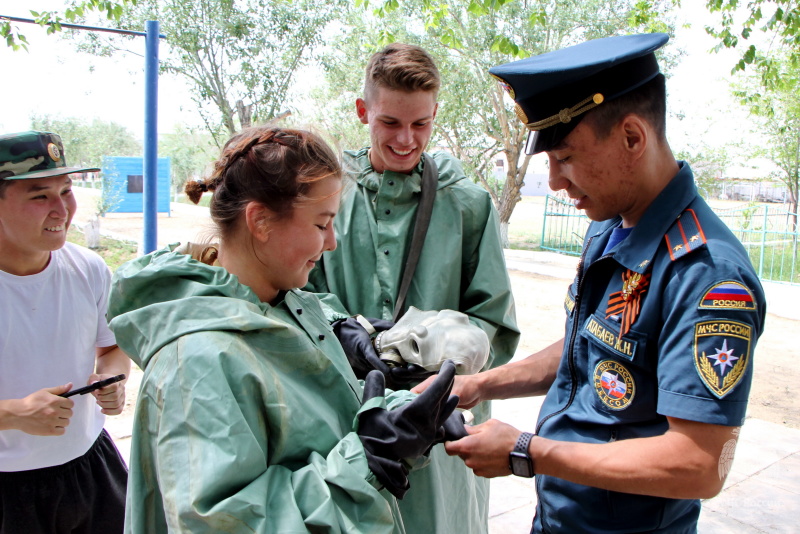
<point x="727" y="295"/>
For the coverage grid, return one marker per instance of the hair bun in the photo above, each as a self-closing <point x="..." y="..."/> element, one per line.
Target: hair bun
<point x="194" y="190"/>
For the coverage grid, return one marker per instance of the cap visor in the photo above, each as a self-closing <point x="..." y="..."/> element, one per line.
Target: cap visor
<point x="47" y="173"/>
<point x="530" y="144"/>
<point x="549" y="138"/>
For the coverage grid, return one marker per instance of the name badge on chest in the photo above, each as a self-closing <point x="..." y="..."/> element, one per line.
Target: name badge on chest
<point x="606" y="334"/>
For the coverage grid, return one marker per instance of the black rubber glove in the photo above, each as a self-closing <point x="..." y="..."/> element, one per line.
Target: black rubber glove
<point x="454" y="427"/>
<point x="357" y="345"/>
<point x="404" y="376"/>
<point x="407" y="432"/>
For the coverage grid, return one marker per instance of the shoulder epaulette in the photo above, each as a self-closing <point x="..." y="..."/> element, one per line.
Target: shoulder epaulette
<point x="685" y="235"/>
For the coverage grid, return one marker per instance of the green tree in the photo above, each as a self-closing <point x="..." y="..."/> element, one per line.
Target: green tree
<point x="758" y="30"/>
<point x="238" y="57"/>
<point x="776" y="106"/>
<point x="476" y="121"/>
<point x="768" y="35"/>
<point x="86" y="143"/>
<point x="190" y="152"/>
<point x="708" y="166"/>
<point x="53" y="20"/>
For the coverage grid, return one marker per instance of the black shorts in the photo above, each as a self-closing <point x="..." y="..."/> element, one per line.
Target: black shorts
<point x="83" y="496"/>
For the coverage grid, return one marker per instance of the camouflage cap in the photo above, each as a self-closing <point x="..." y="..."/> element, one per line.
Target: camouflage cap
<point x="28" y="155"/>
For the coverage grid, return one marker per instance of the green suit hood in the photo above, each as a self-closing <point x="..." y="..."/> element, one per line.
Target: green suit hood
<point x="356" y="164"/>
<point x="170" y="288"/>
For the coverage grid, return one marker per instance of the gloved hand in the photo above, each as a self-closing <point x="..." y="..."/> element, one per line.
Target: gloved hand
<point x="402" y="377"/>
<point x="454" y="427"/>
<point x="357" y="344"/>
<point x="407" y="432"/>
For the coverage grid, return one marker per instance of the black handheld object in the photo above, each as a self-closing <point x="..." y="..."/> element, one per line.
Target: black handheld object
<point x="91" y="387"/>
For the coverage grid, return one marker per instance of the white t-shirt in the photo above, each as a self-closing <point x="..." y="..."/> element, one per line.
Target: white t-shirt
<point x="50" y="324"/>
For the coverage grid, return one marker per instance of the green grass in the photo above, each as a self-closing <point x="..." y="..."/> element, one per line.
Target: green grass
<point x="114" y="252"/>
<point x="205" y="200"/>
<point x="780" y="263"/>
<point x="525" y="227"/>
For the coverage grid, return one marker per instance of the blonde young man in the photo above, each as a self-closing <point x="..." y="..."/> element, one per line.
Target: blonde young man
<point x="461" y="265"/>
<point x="59" y="470"/>
<point x="648" y="388"/>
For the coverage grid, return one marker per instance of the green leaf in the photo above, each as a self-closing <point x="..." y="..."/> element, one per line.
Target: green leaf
<point x="750" y="54"/>
<point x="477" y="9"/>
<point x="538" y="18"/>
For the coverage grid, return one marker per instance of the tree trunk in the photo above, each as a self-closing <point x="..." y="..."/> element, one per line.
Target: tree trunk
<point x="92" y="232"/>
<point x="504" y="235"/>
<point x="245" y="112"/>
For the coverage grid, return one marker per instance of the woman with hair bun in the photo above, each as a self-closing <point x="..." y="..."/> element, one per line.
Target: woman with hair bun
<point x="249" y="417"/>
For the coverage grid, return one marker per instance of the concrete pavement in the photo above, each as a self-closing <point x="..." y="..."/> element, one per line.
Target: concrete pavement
<point x="762" y="491"/>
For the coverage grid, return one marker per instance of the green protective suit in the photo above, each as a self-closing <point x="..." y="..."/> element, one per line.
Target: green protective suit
<point x="245" y="417"/>
<point x="461" y="267"/>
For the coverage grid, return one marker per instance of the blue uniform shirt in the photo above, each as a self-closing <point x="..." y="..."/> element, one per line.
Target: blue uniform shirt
<point x="682" y="292"/>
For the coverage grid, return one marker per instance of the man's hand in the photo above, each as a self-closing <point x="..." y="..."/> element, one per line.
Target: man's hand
<point x="486" y="449"/>
<point x="110" y="398"/>
<point x="42" y="413"/>
<point x="465" y="386"/>
<point x="111" y="361"/>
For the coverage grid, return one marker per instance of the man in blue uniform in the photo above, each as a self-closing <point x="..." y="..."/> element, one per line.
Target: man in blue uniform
<point x="647" y="390"/>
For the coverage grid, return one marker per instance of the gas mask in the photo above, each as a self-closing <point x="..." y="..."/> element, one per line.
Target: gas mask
<point x="428" y="338"/>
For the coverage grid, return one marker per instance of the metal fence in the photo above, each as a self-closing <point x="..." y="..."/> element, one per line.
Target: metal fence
<point x="564" y="227"/>
<point x="765" y="230"/>
<point x="766" y="233"/>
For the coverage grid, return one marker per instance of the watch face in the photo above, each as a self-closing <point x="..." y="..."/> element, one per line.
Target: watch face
<point x="521" y="465"/>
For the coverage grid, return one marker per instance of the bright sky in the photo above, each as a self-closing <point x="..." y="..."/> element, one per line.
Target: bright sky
<point x="54" y="79"/>
<point x="51" y="78"/>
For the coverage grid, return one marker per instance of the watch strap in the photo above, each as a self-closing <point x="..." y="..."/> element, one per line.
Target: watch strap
<point x="522" y="442"/>
<point x="520" y="454"/>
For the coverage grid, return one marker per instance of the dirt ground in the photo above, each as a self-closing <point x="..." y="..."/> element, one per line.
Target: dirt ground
<point x="775" y="394"/>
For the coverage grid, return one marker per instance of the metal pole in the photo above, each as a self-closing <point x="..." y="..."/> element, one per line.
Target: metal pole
<point x="77" y="26"/>
<point x="763" y="244"/>
<point x="150" y="137"/>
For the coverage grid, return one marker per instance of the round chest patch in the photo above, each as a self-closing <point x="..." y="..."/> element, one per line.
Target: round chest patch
<point x="614" y="384"/>
<point x="54" y="152"/>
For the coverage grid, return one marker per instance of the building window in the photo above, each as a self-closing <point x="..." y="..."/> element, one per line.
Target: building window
<point x="135" y="183"/>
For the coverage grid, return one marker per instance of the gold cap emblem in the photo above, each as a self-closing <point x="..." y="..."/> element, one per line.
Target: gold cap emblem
<point x="54" y="152"/>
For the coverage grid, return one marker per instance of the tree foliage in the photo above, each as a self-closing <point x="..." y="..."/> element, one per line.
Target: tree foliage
<point x="777" y="110"/>
<point x="238" y="56"/>
<point x="52" y="20"/>
<point x="476" y="121"/>
<point x="708" y="166"/>
<point x="190" y="152"/>
<point x="86" y="143"/>
<point x="768" y="32"/>
<point x="758" y="29"/>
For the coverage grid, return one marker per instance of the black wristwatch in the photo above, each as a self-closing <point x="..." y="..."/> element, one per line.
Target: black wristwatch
<point x="519" y="460"/>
